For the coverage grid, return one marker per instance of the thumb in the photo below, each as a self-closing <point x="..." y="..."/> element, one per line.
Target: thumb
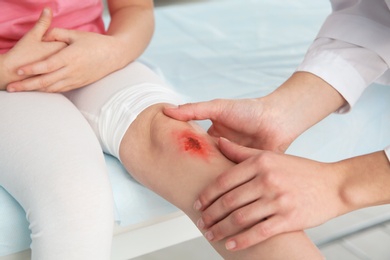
<point x="235" y="152"/>
<point x="43" y="23"/>
<point x="192" y="111"/>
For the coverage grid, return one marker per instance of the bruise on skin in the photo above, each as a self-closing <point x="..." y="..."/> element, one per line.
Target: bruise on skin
<point x="193" y="143"/>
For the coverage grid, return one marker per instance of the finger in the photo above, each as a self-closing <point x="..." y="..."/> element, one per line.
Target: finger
<point x="239" y="197"/>
<point x="235" y="152"/>
<point x="58" y="87"/>
<point x="240" y="220"/>
<point x="257" y="234"/>
<point x="41" y="82"/>
<point x="225" y="182"/>
<point x="219" y="131"/>
<point x="193" y="111"/>
<point x="51" y="64"/>
<point x="43" y="23"/>
<point x="60" y="35"/>
<point x="213" y="132"/>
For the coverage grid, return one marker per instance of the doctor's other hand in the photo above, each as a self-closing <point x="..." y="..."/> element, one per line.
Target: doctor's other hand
<point x="266" y="194"/>
<point x="248" y="122"/>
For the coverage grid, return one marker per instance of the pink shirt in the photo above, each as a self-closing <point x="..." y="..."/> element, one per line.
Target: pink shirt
<point x="19" y="16"/>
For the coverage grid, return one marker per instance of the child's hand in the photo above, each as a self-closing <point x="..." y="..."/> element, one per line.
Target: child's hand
<point x="28" y="49"/>
<point x="87" y="58"/>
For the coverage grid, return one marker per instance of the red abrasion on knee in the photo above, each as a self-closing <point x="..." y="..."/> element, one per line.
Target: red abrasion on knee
<point x="192" y="143"/>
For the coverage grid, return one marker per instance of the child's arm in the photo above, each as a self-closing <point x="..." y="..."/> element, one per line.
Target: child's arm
<point x="132" y="24"/>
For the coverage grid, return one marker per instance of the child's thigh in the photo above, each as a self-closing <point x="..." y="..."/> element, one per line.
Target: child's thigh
<point x="46" y="142"/>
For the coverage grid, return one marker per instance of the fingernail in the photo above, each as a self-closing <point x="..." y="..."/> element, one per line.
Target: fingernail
<point x="224" y="139"/>
<point x="46" y="10"/>
<point x="172" y="107"/>
<point x="200" y="223"/>
<point x="209" y="235"/>
<point x="20" y="72"/>
<point x="231" y="245"/>
<point x="10" y="89"/>
<point x="197" y="205"/>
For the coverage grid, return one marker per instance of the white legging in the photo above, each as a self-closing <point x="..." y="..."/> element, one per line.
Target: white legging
<point x="52" y="164"/>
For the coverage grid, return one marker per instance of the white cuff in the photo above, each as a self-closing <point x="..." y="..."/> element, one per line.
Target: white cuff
<point x="341" y="65"/>
<point x="337" y="72"/>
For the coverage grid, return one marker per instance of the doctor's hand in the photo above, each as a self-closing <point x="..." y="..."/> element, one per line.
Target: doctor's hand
<point x="271" y="122"/>
<point x="266" y="194"/>
<point x="30" y="48"/>
<point x="88" y="57"/>
<point x="248" y="122"/>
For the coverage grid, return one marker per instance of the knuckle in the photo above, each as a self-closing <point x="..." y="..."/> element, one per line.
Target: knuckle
<point x="207" y="218"/>
<point x="268" y="180"/>
<point x="48" y="66"/>
<point x="222" y="182"/>
<point x="38" y="68"/>
<point x="238" y="218"/>
<point x="228" y="201"/>
<point x="43" y="23"/>
<point x="34" y="70"/>
<point x="264" y="230"/>
<point x="283" y="202"/>
<point x="43" y="83"/>
<point x="263" y="159"/>
<point x="218" y="232"/>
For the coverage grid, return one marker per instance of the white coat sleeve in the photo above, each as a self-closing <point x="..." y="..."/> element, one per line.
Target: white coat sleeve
<point x="351" y="50"/>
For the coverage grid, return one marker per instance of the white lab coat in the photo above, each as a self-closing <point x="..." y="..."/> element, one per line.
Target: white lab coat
<point x="352" y="48"/>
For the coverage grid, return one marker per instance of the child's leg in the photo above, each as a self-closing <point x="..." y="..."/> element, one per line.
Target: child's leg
<point x="177" y="160"/>
<point x="52" y="164"/>
<point x="174" y="159"/>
